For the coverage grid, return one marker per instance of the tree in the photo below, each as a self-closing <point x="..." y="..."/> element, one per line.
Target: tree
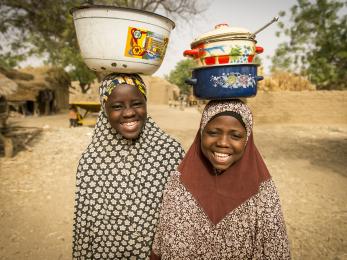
<point x="180" y="73"/>
<point x="182" y="8"/>
<point x="45" y="29"/>
<point x="318" y="43"/>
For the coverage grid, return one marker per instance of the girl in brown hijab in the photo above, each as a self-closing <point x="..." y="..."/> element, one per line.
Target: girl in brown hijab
<point x="222" y="202"/>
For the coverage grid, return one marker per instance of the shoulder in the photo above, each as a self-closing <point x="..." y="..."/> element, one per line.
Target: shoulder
<point x="268" y="189"/>
<point x="173" y="180"/>
<point x="268" y="198"/>
<point x="173" y="184"/>
<point x="175" y="177"/>
<point x="162" y="137"/>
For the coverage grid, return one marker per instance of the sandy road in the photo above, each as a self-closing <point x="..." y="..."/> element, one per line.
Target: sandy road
<point x="308" y="163"/>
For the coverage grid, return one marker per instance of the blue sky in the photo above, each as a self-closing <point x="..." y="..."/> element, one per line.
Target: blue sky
<point x="249" y="14"/>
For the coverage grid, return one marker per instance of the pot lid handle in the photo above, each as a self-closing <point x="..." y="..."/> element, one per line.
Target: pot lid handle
<point x="221" y="25"/>
<point x="275" y="19"/>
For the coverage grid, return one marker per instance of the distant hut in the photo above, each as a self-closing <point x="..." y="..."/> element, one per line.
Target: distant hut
<point x="7" y="87"/>
<point x="92" y="95"/>
<point x="43" y="90"/>
<point x="160" y="91"/>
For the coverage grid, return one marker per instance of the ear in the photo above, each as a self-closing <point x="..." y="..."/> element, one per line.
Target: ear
<point x="106" y="108"/>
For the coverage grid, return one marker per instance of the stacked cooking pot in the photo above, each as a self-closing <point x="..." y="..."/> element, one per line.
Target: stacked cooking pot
<point x="224" y="63"/>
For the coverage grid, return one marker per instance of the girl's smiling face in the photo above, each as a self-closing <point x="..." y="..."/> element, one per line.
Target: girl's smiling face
<point x="223" y="141"/>
<point x="126" y="109"/>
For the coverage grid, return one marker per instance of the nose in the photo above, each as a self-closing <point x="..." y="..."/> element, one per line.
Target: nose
<point x="128" y="112"/>
<point x="223" y="141"/>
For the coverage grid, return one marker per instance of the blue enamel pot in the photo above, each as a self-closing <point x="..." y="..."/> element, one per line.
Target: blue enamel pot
<point x="223" y="82"/>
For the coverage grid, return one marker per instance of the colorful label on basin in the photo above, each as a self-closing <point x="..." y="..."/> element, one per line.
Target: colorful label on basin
<point x="233" y="80"/>
<point x="143" y="44"/>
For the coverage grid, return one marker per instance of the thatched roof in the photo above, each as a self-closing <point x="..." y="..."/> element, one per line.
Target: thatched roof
<point x="92" y="94"/>
<point x="282" y="80"/>
<point x="159" y="90"/>
<point x="41" y="78"/>
<point x="15" y="74"/>
<point x="7" y="86"/>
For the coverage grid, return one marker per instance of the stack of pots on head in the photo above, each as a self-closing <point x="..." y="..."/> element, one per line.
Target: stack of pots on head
<point x="224" y="59"/>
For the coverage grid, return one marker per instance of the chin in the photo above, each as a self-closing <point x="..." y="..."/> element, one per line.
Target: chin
<point x="222" y="167"/>
<point x="219" y="168"/>
<point x="130" y="135"/>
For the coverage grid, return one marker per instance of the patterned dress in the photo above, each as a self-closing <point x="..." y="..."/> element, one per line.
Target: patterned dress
<point x="254" y="230"/>
<point x="119" y="190"/>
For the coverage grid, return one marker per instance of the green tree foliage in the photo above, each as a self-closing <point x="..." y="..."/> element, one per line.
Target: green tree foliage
<point x="45" y="28"/>
<point x="318" y="43"/>
<point x="41" y="28"/>
<point x="180" y="73"/>
<point x="257" y="60"/>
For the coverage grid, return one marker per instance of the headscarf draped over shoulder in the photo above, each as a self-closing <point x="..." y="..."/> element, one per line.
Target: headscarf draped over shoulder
<point x="219" y="195"/>
<point x="119" y="186"/>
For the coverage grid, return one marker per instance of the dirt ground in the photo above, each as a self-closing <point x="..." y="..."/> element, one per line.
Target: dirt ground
<point x="307" y="161"/>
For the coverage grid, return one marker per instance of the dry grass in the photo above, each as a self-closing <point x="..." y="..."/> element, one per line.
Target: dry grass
<point x="281" y="80"/>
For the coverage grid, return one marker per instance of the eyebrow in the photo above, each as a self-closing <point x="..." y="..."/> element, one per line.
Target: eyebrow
<point x="220" y="129"/>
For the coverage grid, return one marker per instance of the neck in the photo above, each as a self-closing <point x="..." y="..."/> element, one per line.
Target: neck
<point x="217" y="171"/>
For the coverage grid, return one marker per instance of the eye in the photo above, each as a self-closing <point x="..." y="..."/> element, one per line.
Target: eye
<point x="212" y="133"/>
<point x="117" y="106"/>
<point x="236" y="135"/>
<point x="137" y="103"/>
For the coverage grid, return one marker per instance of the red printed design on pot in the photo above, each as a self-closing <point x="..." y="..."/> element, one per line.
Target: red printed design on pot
<point x="224" y="45"/>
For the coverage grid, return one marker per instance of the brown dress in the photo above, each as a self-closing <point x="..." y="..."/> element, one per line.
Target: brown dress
<point x="254" y="230"/>
<point x="235" y="215"/>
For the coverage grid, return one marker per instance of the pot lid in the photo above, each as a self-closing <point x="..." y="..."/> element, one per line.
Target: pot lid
<point x="223" y="32"/>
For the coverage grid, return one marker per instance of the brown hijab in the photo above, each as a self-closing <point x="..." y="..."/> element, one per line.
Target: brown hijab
<point x="220" y="194"/>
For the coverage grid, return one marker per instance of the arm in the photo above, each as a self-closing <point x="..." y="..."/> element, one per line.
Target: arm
<point x="271" y="241"/>
<point x="154" y="256"/>
<point x="156" y="245"/>
<point x="81" y="220"/>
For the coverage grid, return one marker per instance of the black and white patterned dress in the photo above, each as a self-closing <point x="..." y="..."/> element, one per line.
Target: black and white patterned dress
<point x="119" y="191"/>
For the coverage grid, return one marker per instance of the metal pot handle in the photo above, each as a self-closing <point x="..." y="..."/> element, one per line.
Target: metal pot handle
<point x="259" y="49"/>
<point x="192" y="82"/>
<point x="275" y="19"/>
<point x="192" y="53"/>
<point x="259" y="78"/>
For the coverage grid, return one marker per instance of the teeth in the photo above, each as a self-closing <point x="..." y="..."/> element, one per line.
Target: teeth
<point x="222" y="155"/>
<point x="130" y="124"/>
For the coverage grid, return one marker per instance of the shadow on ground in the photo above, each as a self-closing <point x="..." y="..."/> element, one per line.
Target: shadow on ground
<point x="329" y="152"/>
<point x="19" y="138"/>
